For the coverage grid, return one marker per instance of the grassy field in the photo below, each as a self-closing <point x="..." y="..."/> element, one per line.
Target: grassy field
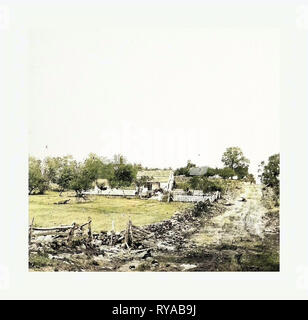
<point x="101" y="209"/>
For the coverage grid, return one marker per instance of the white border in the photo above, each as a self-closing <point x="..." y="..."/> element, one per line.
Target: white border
<point x="290" y="283"/>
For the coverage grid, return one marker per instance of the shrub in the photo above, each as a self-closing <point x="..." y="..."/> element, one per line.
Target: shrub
<point x="226" y="173"/>
<point x="271" y="173"/>
<point x="206" y="185"/>
<point x="200" y="208"/>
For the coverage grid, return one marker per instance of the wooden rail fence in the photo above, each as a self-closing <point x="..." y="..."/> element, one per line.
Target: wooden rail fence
<point x="69" y="231"/>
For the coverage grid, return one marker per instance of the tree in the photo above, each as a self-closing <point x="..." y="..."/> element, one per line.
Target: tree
<point x="194" y="182"/>
<point x="242" y="172"/>
<point x="250" y="178"/>
<point x="124" y="175"/>
<point x="234" y="159"/>
<point x="81" y="179"/>
<point x="107" y="171"/>
<point x="226" y="173"/>
<point x="205" y="184"/>
<point x="184" y="170"/>
<point x="94" y="165"/>
<point x="270" y="172"/>
<point x="52" y="166"/>
<point x="37" y="180"/>
<point x="66" y="173"/>
<point x="211" y="172"/>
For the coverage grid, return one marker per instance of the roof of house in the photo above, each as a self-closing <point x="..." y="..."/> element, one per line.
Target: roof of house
<point x="198" y="171"/>
<point x="161" y="176"/>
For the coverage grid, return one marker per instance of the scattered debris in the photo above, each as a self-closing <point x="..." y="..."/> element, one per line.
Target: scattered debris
<point x="63" y="202"/>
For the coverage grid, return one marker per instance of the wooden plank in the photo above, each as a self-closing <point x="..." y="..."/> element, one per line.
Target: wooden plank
<point x="53" y="228"/>
<point x="140" y="230"/>
<point x="30" y="230"/>
<point x="47" y="233"/>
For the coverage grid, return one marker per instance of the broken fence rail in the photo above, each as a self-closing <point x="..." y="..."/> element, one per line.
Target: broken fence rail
<point x="60" y="230"/>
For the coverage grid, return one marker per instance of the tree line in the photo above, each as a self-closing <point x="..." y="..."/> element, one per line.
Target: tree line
<point x="235" y="164"/>
<point x="69" y="174"/>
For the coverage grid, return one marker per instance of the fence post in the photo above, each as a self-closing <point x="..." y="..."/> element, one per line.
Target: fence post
<point x="89" y="228"/>
<point x="112" y="233"/>
<point x="130" y="231"/>
<point x="71" y="233"/>
<point x="30" y="230"/>
<point x="129" y="234"/>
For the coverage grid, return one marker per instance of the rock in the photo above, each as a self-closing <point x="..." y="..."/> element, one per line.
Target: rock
<point x="40" y="250"/>
<point x="33" y="247"/>
<point x="144" y="254"/>
<point x="186" y="267"/>
<point x="98" y="258"/>
<point x="46" y="239"/>
<point x="163" y="247"/>
<point x="96" y="243"/>
<point x="132" y="267"/>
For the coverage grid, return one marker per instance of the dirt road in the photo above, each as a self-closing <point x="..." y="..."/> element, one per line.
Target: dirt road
<point x="245" y="237"/>
<point x="244" y="219"/>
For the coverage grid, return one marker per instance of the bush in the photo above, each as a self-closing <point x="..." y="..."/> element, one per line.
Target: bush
<point x="184" y="170"/>
<point x="212" y="186"/>
<point x="270" y="175"/>
<point x="183" y="185"/>
<point x="226" y="173"/>
<point x="206" y="185"/>
<point x="200" y="208"/>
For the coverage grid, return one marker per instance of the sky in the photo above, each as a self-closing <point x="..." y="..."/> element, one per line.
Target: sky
<point x="159" y="96"/>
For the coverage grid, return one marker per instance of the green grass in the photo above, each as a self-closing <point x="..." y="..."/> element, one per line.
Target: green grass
<point x="101" y="209"/>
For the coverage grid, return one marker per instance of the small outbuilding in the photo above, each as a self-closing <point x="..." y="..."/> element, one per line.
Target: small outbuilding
<point x="159" y="179"/>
